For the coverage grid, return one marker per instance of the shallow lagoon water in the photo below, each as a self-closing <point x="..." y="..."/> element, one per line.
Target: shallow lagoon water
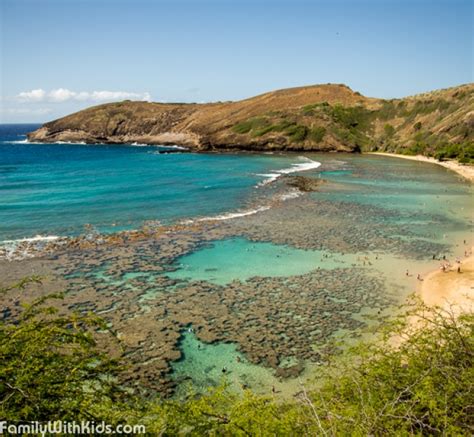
<point x="240" y="259"/>
<point x="204" y="366"/>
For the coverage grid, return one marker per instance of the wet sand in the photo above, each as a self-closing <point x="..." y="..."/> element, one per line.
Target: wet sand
<point x="466" y="171"/>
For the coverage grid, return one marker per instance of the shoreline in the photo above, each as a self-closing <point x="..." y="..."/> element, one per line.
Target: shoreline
<point x="466" y="171"/>
<point x="449" y="289"/>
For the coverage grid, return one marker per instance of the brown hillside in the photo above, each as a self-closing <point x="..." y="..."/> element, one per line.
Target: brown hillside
<point x="319" y="118"/>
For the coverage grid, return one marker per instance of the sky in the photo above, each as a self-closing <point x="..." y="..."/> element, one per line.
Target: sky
<point x="60" y="56"/>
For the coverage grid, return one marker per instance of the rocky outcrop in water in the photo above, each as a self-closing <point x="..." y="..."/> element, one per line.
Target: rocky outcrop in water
<point x="304" y="183"/>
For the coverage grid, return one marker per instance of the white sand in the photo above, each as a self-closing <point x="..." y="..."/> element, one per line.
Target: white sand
<point x="467" y="171"/>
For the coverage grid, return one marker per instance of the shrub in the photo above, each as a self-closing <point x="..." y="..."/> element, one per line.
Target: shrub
<point x="352" y="117"/>
<point x="316" y="134"/>
<point x="50" y="368"/>
<point x="246" y="126"/>
<point x="423" y="387"/>
<point x="297" y="133"/>
<point x="389" y="130"/>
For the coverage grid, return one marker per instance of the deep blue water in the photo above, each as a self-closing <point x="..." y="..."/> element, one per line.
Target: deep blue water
<point x="55" y="189"/>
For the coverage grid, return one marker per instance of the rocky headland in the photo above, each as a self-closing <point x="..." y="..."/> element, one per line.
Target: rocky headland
<point x="323" y="118"/>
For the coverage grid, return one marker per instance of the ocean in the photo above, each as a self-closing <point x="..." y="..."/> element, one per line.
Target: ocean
<point x="49" y="190"/>
<point x="57" y="189"/>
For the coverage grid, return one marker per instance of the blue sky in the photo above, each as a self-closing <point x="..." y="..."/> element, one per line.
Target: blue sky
<point x="59" y="56"/>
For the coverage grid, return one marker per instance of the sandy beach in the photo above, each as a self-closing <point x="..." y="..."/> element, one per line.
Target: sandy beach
<point x="449" y="288"/>
<point x="466" y="171"/>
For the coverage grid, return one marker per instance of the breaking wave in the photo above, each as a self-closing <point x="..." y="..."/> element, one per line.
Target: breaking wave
<point x="307" y="164"/>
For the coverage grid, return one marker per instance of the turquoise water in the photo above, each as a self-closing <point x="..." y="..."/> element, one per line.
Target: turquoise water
<point x="55" y="189"/>
<point x="238" y="258"/>
<point x="204" y="365"/>
<point x="402" y="185"/>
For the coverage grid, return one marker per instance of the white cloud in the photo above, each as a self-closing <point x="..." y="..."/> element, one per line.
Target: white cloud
<point x="32" y="96"/>
<point x="60" y="95"/>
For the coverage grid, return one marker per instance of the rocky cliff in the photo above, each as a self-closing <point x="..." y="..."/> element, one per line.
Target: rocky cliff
<point x="317" y="118"/>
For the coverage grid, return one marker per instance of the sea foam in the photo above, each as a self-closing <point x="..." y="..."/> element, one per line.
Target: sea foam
<point x="32" y="239"/>
<point x="307" y="164"/>
<point x="229" y="215"/>
<point x="23" y="248"/>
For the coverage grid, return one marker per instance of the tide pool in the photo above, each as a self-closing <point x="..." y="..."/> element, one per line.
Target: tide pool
<point x="204" y="366"/>
<point x="239" y="258"/>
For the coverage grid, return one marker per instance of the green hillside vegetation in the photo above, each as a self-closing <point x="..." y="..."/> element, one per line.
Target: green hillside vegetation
<point x="319" y="118"/>
<point x="358" y="127"/>
<point x="51" y="368"/>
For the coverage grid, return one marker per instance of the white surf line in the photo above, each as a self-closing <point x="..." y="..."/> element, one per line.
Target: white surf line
<point x="32" y="239"/>
<point x="26" y="141"/>
<point x="171" y="147"/>
<point x="228" y="216"/>
<point x="83" y="143"/>
<point x="309" y="164"/>
<point x="23" y="248"/>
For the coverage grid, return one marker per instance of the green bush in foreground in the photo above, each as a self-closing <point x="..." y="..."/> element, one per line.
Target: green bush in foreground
<point x="50" y="369"/>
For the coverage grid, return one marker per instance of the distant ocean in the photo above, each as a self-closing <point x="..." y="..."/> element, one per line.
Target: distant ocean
<point x="49" y="190"/>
